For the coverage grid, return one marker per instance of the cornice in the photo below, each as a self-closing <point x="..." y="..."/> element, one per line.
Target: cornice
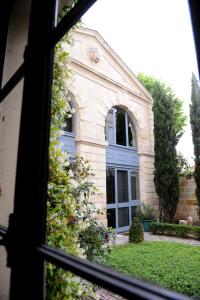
<point x="91" y="143"/>
<point x="146" y="154"/>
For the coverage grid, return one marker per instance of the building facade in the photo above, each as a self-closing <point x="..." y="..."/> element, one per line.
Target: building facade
<point x="112" y="127"/>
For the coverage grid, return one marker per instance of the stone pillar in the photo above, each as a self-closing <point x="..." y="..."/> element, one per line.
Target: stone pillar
<point x="147" y="188"/>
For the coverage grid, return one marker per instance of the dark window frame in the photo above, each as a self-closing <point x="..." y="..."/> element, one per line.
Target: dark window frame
<point x="25" y="237"/>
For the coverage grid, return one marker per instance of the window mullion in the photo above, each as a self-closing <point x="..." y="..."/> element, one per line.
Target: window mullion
<point x="114" y="126"/>
<point x="29" y="219"/>
<point x="129" y="195"/>
<point x="116" y="199"/>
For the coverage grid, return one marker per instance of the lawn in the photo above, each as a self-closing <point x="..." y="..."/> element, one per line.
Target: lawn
<point x="171" y="265"/>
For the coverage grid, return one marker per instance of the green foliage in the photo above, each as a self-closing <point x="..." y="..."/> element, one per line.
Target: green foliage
<point x="195" y="126"/>
<point x="147" y="212"/>
<point x="184" y="231"/>
<point x="180" y="119"/>
<point x="170" y="265"/>
<point x="169" y="122"/>
<point x="94" y="240"/>
<point x="136" y="231"/>
<point x="69" y="208"/>
<point x="185" y="169"/>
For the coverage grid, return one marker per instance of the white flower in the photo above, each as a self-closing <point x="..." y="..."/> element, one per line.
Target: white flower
<point x="70" y="173"/>
<point x="74" y="183"/>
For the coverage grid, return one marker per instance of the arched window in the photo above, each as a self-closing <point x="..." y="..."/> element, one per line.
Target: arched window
<point x="119" y="128"/>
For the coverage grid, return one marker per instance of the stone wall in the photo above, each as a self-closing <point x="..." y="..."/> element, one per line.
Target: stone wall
<point x="187" y="203"/>
<point x="147" y="188"/>
<point x="97" y="87"/>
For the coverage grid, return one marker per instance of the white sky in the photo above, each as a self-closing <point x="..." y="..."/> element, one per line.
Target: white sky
<point x="152" y="36"/>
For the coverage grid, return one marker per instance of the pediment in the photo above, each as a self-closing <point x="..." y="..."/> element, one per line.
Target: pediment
<point x="90" y="49"/>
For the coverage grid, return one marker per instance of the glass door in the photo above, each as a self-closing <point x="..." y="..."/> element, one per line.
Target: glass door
<point x="122" y="188"/>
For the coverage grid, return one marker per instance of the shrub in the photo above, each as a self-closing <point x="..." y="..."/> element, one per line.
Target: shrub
<point x="184" y="231"/>
<point x="136" y="232"/>
<point x="147" y="212"/>
<point x="94" y="240"/>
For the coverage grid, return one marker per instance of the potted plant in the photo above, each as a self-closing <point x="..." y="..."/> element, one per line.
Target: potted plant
<point x="147" y="215"/>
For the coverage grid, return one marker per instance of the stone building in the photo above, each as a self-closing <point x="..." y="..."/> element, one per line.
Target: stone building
<point x="112" y="127"/>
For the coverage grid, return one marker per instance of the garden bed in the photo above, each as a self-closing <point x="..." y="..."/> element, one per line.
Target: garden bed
<point x="183" y="231"/>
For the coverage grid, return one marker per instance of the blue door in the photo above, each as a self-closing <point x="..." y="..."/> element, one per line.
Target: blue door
<point x="122" y="187"/>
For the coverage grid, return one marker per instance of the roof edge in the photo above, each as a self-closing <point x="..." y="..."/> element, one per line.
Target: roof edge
<point x="94" y="33"/>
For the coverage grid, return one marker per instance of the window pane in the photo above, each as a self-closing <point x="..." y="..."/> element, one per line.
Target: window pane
<point x="110" y="127"/>
<point x="122" y="186"/>
<point x="110" y="186"/>
<point x="70" y="118"/>
<point x="120" y="127"/>
<point x="133" y="212"/>
<point x="69" y="125"/>
<point x="111" y="217"/>
<point x="133" y="188"/>
<point x="123" y="216"/>
<point x="131" y="134"/>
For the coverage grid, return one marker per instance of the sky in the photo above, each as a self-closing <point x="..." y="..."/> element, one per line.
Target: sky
<point x="154" y="37"/>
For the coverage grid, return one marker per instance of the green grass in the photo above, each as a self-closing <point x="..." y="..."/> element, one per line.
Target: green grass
<point x="171" y="265"/>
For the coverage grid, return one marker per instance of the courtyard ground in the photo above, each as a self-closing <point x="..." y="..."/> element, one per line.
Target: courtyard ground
<point x="148" y="237"/>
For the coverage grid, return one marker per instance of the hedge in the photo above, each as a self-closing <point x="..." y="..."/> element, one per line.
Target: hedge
<point x="184" y="231"/>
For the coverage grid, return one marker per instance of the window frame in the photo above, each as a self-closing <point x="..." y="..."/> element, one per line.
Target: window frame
<point x="24" y="239"/>
<point x="127" y="117"/>
<point x="128" y="204"/>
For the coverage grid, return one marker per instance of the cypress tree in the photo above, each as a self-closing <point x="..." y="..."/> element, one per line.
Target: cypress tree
<point x="195" y="126"/>
<point x="166" y="171"/>
<point x="169" y="121"/>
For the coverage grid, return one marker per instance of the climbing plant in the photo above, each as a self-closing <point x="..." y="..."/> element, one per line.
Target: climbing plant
<point x="70" y="210"/>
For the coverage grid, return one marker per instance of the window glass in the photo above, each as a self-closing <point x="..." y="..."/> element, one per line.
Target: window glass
<point x="69" y="120"/>
<point x="123" y="216"/>
<point x="133" y="212"/>
<point x="133" y="187"/>
<point x="110" y="127"/>
<point x="110" y="185"/>
<point x="116" y="126"/>
<point x="131" y="134"/>
<point x="120" y="127"/>
<point x="111" y="218"/>
<point x="122" y="186"/>
<point x="69" y="125"/>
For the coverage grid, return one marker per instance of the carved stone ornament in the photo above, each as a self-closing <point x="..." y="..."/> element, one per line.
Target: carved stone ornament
<point x="93" y="55"/>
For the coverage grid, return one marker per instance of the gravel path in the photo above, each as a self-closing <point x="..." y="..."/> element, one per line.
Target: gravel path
<point x="123" y="239"/>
